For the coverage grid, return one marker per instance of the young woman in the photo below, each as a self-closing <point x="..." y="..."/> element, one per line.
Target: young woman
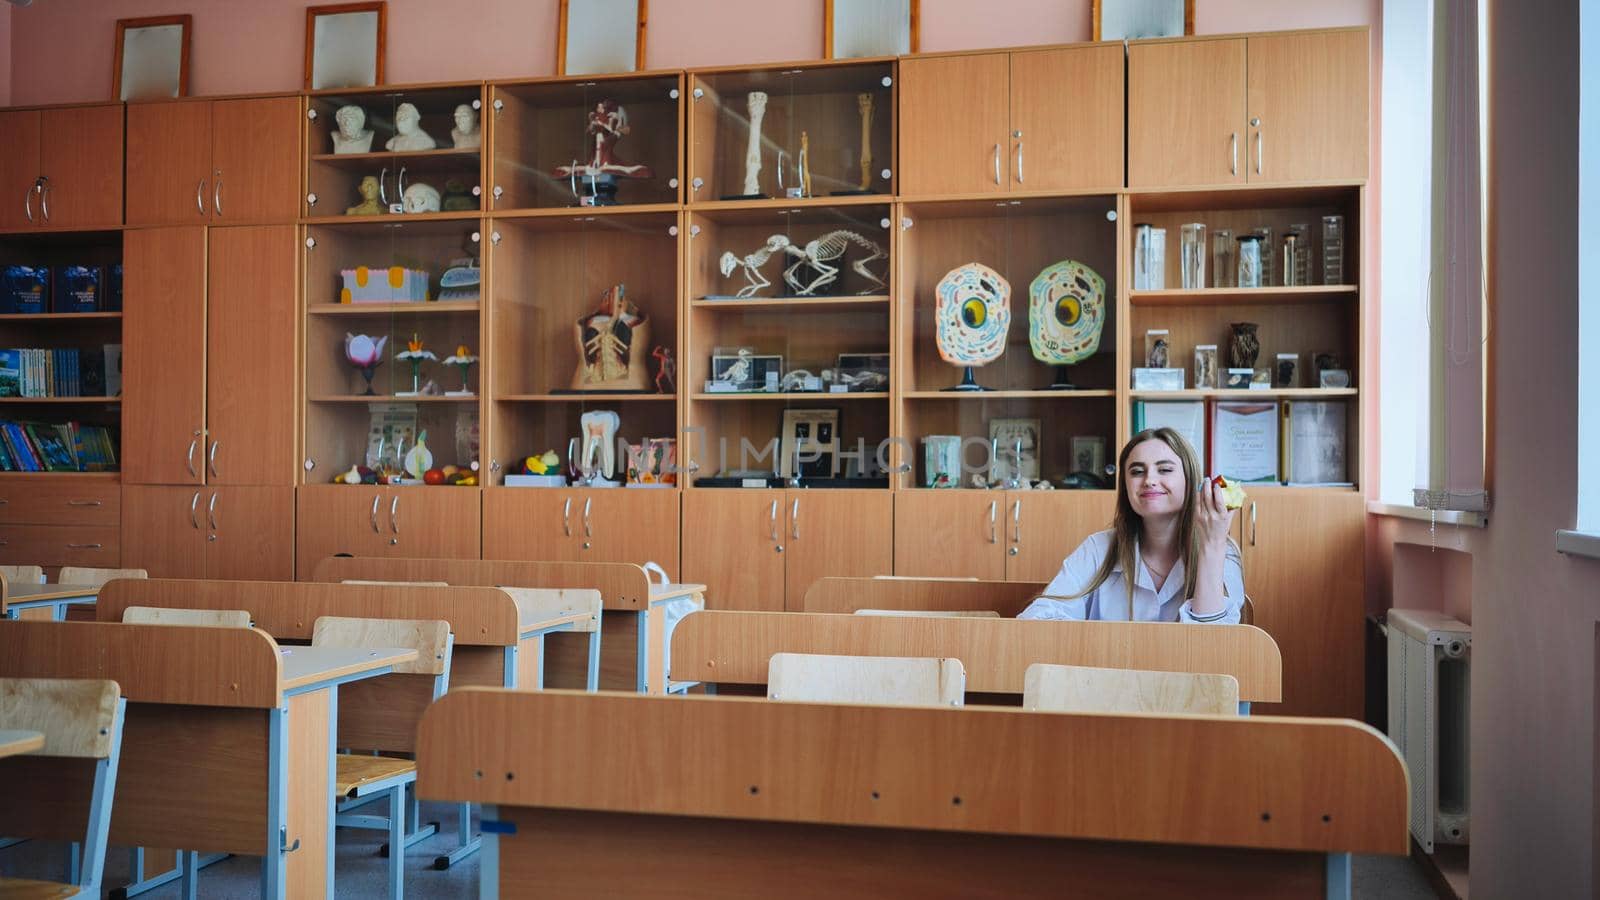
<point x="1172" y="536"/>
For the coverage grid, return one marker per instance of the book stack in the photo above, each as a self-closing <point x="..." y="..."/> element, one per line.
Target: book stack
<point x="61" y="372"/>
<point x="63" y="289"/>
<point x="59" y="447"/>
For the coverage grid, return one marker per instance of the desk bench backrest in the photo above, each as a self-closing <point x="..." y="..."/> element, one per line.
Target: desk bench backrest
<point x="845" y="595"/>
<point x="623" y="586"/>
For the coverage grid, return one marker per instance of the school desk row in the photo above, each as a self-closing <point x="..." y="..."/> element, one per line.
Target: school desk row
<point x="1182" y="781"/>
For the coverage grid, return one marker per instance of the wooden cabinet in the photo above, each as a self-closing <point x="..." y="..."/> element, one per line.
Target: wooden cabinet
<point x="242" y="533"/>
<point x="1268" y="109"/>
<point x="385" y="521"/>
<point x="54" y="521"/>
<point x="204" y="309"/>
<point x="633" y="526"/>
<point x="1038" y="120"/>
<point x="1307" y="100"/>
<point x="1303" y="553"/>
<point x="836" y="532"/>
<point x="994" y="535"/>
<point x="166" y="532"/>
<point x="949" y="534"/>
<point x="214" y="161"/>
<point x="61" y="168"/>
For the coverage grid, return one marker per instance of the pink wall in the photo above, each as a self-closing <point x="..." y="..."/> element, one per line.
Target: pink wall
<point x="259" y="46"/>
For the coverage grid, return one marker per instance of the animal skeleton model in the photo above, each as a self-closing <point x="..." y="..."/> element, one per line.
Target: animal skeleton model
<point x="816" y="254"/>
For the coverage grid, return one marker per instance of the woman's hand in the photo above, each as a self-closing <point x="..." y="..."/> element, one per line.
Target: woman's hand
<point x="1212" y="518"/>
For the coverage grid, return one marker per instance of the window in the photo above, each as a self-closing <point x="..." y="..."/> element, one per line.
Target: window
<point x="1586" y="536"/>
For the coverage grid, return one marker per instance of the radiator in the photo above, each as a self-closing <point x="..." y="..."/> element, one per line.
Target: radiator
<point x="1430" y="679"/>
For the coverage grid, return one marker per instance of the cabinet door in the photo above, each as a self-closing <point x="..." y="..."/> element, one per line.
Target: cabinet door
<point x="337" y="518"/>
<point x="440" y="522"/>
<point x="250" y="533"/>
<point x="163" y="356"/>
<point x="636" y="526"/>
<point x="734" y="546"/>
<point x="164" y="530"/>
<point x="953" y="119"/>
<point x="1186" y="113"/>
<point x="1303" y="568"/>
<point x="169" y="163"/>
<point x="533" y="524"/>
<point x="19" y="169"/>
<point x="1044" y="527"/>
<point x="949" y="534"/>
<point x="250" y="333"/>
<point x="80" y="157"/>
<point x="1066" y="119"/>
<point x="1308" y="92"/>
<point x="836" y="533"/>
<point x="255" y="156"/>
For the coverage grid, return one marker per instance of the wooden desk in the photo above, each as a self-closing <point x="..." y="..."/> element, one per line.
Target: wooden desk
<point x="15" y="742"/>
<point x="634" y="661"/>
<point x="55" y="597"/>
<point x="854" y="802"/>
<point x="846" y="595"/>
<point x="227" y="745"/>
<point x="727" y="647"/>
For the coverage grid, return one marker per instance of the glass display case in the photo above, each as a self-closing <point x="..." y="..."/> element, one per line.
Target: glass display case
<point x="821" y="130"/>
<point x="598" y="141"/>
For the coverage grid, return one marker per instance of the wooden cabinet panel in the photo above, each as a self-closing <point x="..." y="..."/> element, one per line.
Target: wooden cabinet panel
<point x="735" y="547"/>
<point x="165" y="530"/>
<point x="953" y="124"/>
<point x="163" y="359"/>
<point x="169" y="163"/>
<point x="632" y="526"/>
<point x="60" y="503"/>
<point x="838" y="533"/>
<point x="1067" y="107"/>
<point x="1044" y="527"/>
<point x="535" y="524"/>
<point x="1186" y="113"/>
<point x="439" y="522"/>
<point x="255" y="160"/>
<point x="949" y="534"/>
<point x="1309" y="93"/>
<point x="337" y="518"/>
<point x="250" y="413"/>
<point x="80" y="158"/>
<point x="60" y="545"/>
<point x="19" y="169"/>
<point x="250" y="533"/>
<point x="1303" y="568"/>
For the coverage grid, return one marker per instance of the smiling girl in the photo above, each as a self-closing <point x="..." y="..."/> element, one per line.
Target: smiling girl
<point x="1171" y="536"/>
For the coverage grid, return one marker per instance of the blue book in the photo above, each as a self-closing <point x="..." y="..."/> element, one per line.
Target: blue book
<point x="10" y="373"/>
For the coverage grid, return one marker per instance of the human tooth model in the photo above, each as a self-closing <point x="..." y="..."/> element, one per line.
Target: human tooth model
<point x="599" y="443"/>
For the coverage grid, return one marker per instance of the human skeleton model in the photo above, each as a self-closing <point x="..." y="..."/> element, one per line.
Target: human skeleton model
<point x="608" y="123"/>
<point x="816" y="254"/>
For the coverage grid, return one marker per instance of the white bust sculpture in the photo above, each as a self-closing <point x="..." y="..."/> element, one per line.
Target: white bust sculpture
<point x="353" y="135"/>
<point x="420" y="198"/>
<point x="411" y="136"/>
<point x="466" y="134"/>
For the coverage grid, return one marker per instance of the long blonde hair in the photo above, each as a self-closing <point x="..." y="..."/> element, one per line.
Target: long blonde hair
<point x="1127" y="526"/>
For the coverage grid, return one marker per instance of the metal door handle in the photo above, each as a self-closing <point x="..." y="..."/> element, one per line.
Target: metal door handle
<point x="400" y="183"/>
<point x="27" y="200"/>
<point x="1252" y="524"/>
<point x="772" y="532"/>
<point x="211" y="459"/>
<point x="73" y="502"/>
<point x="394" y="514"/>
<point x="994" y="538"/>
<point x="566" y="517"/>
<point x="194" y="506"/>
<point x="211" y="511"/>
<point x="1016" y="521"/>
<point x="1233" y="153"/>
<point x="216" y="193"/>
<point x="996" y="163"/>
<point x="1019" y="162"/>
<point x="44" y="197"/>
<point x="794" y="520"/>
<point x="199" y="197"/>
<point x="85" y="546"/>
<point x="587" y="530"/>
<point x="189" y="457"/>
<point x="1258" y="153"/>
<point x="375" y="499"/>
<point x="383" y="184"/>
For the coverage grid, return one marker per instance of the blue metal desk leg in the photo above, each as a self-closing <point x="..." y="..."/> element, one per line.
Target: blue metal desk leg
<point x="1338" y="884"/>
<point x="275" y="865"/>
<point x="593" y="684"/>
<point x="642" y="683"/>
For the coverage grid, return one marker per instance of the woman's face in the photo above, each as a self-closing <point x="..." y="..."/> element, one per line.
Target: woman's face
<point x="1154" y="476"/>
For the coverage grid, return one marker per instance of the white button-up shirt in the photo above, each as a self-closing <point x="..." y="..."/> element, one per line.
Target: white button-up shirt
<point x="1110" y="599"/>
